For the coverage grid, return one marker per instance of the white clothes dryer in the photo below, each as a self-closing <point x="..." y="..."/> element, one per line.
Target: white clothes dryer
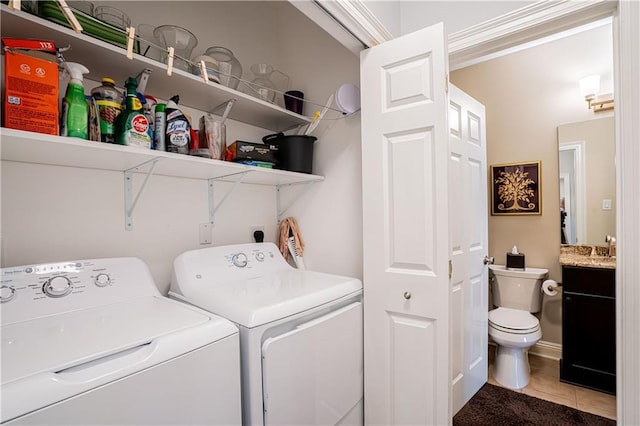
<point x="301" y="336"/>
<point x="94" y="342"/>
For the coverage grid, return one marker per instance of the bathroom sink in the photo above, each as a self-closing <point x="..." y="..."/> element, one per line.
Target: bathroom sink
<point x="587" y="256"/>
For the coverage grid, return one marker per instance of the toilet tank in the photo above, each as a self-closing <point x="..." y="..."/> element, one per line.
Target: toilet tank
<point x="517" y="289"/>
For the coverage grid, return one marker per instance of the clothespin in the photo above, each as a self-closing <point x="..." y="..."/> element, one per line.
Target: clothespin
<point x="15" y="4"/>
<point x="131" y="33"/>
<point x="203" y="69"/>
<point x="170" y="60"/>
<point x="68" y="13"/>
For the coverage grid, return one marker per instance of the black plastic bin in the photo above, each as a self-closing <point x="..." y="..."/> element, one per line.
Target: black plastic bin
<point x="295" y="152"/>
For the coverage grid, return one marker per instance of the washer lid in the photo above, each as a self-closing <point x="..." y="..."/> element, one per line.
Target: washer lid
<point x="257" y="301"/>
<point x="57" y="342"/>
<point x="514" y="319"/>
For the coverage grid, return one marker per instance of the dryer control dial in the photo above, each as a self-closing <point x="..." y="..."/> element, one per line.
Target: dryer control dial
<point x="57" y="286"/>
<point x="240" y="260"/>
<point x="7" y="293"/>
<point x="102" y="280"/>
<point x="260" y="256"/>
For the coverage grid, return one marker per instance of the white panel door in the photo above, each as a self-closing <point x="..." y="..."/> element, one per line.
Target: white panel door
<point x="405" y="227"/>
<point x="468" y="236"/>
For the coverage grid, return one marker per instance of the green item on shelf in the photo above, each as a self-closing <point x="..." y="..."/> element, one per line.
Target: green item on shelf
<point x="109" y="102"/>
<point x="75" y="109"/>
<point x="132" y="127"/>
<point x="50" y="10"/>
<point x="265" y="164"/>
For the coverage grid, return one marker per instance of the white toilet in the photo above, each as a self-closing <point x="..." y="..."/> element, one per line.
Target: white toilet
<point x="516" y="293"/>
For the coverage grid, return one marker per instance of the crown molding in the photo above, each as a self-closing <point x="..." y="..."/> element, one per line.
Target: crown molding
<point x="356" y="27"/>
<point x="523" y="25"/>
<point x="358" y="19"/>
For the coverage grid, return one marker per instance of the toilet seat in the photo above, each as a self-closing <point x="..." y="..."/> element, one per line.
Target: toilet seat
<point x="514" y="321"/>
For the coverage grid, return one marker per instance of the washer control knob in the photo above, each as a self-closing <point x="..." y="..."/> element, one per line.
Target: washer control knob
<point x="57" y="286"/>
<point x="102" y="280"/>
<point x="7" y="293"/>
<point x="239" y="260"/>
<point x="260" y="256"/>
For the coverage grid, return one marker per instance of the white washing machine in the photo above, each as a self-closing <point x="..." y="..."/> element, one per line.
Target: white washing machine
<point x="94" y="342"/>
<point x="301" y="338"/>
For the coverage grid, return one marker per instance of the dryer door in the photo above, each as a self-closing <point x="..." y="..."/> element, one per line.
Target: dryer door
<point x="314" y="373"/>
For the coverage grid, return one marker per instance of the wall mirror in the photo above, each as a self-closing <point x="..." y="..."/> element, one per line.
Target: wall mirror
<point x="587" y="181"/>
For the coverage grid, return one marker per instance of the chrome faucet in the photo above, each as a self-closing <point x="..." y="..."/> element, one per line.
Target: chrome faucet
<point x="611" y="241"/>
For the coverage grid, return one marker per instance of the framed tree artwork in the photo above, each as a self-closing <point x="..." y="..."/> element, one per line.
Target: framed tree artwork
<point x="515" y="189"/>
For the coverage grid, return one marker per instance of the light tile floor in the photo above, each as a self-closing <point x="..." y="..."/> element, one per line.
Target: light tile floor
<point x="545" y="384"/>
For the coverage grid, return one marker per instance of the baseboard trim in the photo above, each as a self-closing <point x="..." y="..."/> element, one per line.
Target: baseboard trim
<point x="544" y="349"/>
<point x="547" y="350"/>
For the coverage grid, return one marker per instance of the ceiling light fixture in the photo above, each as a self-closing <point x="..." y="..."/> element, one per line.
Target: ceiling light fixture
<point x="589" y="87"/>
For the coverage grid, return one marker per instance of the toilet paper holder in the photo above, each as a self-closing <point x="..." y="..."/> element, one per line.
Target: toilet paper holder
<point x="549" y="287"/>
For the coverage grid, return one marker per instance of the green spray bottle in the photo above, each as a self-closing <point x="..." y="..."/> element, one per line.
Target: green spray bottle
<point x="75" y="109"/>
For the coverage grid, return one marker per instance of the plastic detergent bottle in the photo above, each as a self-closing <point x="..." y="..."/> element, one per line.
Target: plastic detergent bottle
<point x="109" y="101"/>
<point x="132" y="127"/>
<point x="75" y="109"/>
<point x="178" y="136"/>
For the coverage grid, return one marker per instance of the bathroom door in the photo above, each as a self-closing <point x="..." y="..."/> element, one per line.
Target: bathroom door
<point x="468" y="237"/>
<point x="405" y="230"/>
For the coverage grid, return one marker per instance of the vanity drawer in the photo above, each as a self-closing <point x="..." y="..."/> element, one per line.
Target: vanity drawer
<point x="595" y="281"/>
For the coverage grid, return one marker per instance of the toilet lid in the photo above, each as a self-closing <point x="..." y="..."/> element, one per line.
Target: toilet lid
<point x="513" y="319"/>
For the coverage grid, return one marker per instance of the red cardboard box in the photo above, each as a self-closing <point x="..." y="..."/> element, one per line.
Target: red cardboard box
<point x="241" y="150"/>
<point x="31" y="86"/>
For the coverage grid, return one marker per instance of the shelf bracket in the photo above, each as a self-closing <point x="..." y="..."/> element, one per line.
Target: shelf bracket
<point x="281" y="211"/>
<point x="129" y="200"/>
<point x="227" y="105"/>
<point x="213" y="208"/>
<point x="143" y="79"/>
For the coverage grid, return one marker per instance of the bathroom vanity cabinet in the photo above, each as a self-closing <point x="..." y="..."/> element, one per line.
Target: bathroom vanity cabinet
<point x="589" y="328"/>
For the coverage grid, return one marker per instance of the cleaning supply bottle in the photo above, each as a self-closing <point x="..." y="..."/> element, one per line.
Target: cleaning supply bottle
<point x="109" y="101"/>
<point x="159" y="133"/>
<point x="132" y="127"/>
<point x="75" y="109"/>
<point x="149" y="109"/>
<point x="178" y="135"/>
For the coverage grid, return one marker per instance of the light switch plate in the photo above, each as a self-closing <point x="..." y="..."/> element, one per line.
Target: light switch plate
<point x="606" y="204"/>
<point x="205" y="232"/>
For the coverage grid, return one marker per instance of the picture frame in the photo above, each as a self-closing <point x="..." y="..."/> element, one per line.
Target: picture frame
<point x="516" y="189"/>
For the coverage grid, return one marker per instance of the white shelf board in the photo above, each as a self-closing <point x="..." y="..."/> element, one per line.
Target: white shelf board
<point x="29" y="147"/>
<point x="106" y="60"/>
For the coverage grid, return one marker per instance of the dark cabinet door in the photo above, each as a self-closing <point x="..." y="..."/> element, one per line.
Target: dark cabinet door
<point x="588" y="328"/>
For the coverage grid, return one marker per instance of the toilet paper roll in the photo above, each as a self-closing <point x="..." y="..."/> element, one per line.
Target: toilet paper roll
<point x="549" y="287"/>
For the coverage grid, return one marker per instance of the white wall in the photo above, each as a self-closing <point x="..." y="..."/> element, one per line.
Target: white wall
<point x="52" y="213"/>
<point x="404" y="17"/>
<point x="330" y="213"/>
<point x="456" y="15"/>
<point x="388" y="13"/>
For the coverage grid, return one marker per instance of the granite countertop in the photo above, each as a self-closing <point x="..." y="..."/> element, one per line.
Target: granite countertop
<point x="587" y="256"/>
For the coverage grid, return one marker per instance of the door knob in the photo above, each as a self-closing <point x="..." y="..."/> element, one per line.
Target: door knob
<point x="488" y="260"/>
<point x="407" y="295"/>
